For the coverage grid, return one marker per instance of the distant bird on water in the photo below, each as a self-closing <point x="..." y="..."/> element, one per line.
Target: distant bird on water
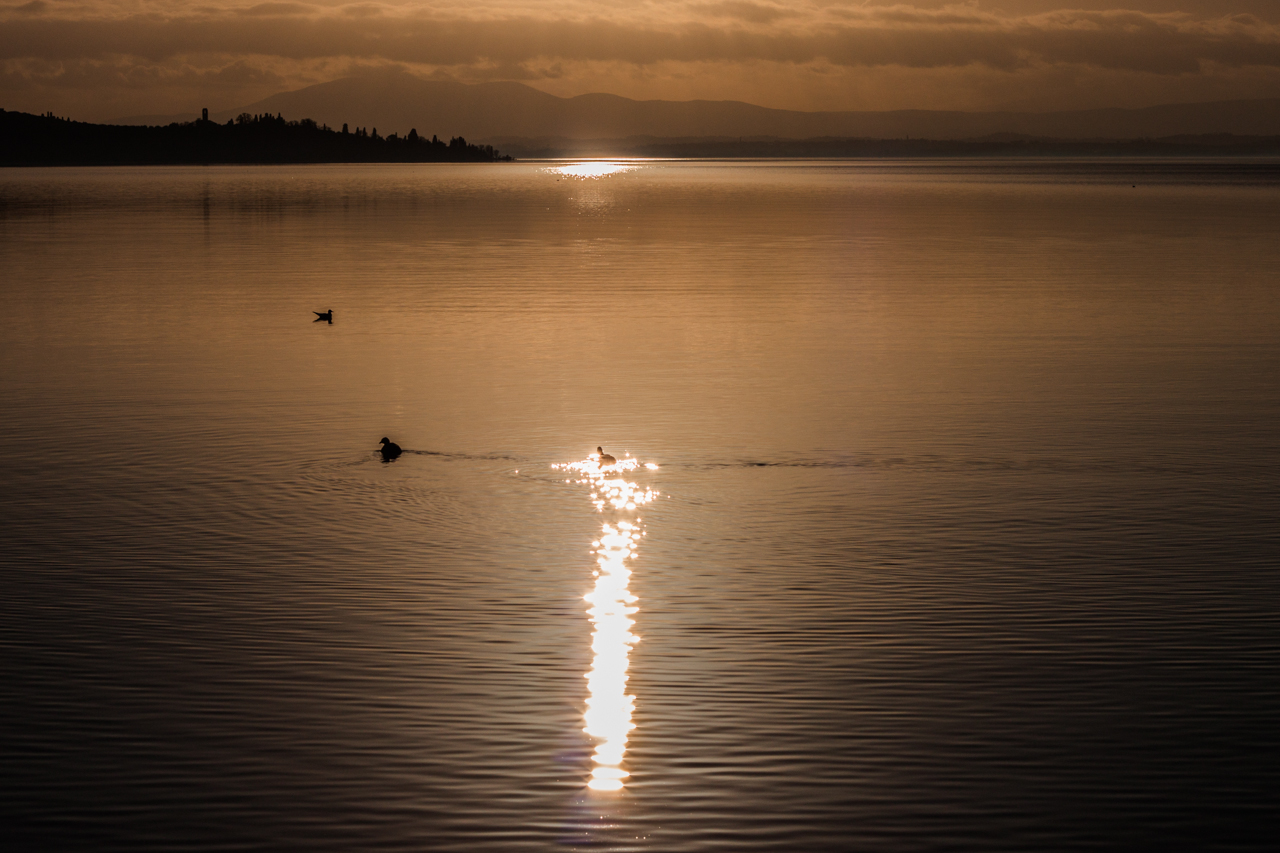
<point x="605" y="458"/>
<point x="389" y="450"/>
<point x="326" y="316"/>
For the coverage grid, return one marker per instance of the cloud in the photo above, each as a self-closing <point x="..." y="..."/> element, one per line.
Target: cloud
<point x="830" y="53"/>
<point x="855" y="37"/>
<point x="756" y="13"/>
<point x="362" y="10"/>
<point x="124" y="74"/>
<point x="276" y="9"/>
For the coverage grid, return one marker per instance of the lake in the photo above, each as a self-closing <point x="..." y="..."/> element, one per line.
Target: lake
<point x="944" y="518"/>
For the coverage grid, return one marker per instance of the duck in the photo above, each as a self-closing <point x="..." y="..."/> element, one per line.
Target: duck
<point x="389" y="450"/>
<point x="605" y="458"/>
<point x="326" y="316"/>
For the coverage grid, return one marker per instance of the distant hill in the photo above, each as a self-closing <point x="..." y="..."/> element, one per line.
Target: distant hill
<point x="999" y="145"/>
<point x="397" y="102"/>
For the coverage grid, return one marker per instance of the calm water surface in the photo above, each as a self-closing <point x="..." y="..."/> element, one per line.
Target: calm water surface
<point x="962" y="533"/>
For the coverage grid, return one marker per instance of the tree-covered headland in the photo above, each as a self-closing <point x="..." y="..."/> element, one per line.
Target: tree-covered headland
<point x="31" y="140"/>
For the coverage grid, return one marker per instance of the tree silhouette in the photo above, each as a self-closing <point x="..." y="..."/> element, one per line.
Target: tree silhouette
<point x="46" y="140"/>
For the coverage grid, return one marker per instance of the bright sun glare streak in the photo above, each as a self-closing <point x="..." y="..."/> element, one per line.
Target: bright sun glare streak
<point x="592" y="168"/>
<point x="609" y="707"/>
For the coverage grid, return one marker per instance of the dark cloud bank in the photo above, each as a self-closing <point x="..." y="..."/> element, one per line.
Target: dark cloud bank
<point x="82" y="53"/>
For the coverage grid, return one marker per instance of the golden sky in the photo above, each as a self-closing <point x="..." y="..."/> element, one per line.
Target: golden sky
<point x="100" y="59"/>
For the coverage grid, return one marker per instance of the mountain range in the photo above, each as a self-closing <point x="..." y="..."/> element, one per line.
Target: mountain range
<point x="513" y="115"/>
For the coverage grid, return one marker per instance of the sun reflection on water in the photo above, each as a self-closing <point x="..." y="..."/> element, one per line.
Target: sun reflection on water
<point x="592" y="168"/>
<point x="609" y="706"/>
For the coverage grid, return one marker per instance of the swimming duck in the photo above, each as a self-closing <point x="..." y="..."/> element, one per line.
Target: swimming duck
<point x="326" y="316"/>
<point x="605" y="458"/>
<point x="389" y="450"/>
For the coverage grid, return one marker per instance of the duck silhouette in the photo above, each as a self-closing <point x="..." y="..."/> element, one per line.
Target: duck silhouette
<point x="326" y="316"/>
<point x="389" y="450"/>
<point x="605" y="458"/>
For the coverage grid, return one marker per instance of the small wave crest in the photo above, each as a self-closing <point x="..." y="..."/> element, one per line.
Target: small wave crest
<point x="477" y="457"/>
<point x="939" y="463"/>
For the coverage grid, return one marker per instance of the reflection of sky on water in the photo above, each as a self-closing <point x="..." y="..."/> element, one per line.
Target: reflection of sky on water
<point x="609" y="706"/>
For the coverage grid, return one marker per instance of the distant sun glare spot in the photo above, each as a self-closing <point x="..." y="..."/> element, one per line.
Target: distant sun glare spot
<point x="593" y="168"/>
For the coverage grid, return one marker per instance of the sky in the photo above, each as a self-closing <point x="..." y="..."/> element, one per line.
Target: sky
<point x="95" y="60"/>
